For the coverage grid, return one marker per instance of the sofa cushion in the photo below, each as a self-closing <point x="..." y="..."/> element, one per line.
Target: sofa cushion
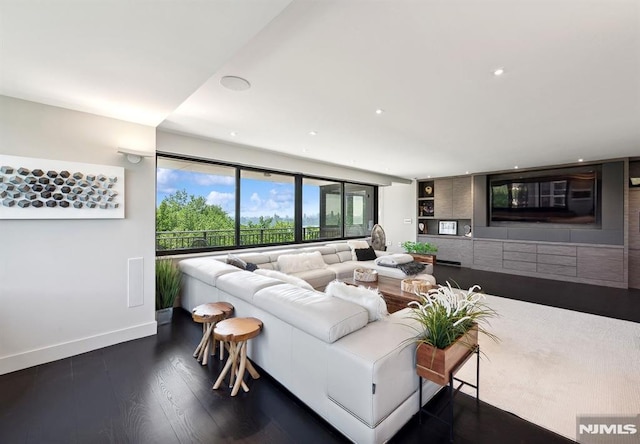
<point x="365" y="297"/>
<point x="294" y="263"/>
<point x="206" y="269"/>
<point x="345" y="256"/>
<point x="289" y="278"/>
<point x="315" y="313"/>
<point x="345" y="269"/>
<point x="245" y="284"/>
<point x="317" y="278"/>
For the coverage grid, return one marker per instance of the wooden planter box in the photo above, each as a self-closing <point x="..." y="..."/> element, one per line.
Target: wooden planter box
<point x="424" y="258"/>
<point x="435" y="364"/>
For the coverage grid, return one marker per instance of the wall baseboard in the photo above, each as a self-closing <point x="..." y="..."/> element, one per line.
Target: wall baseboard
<point x="63" y="350"/>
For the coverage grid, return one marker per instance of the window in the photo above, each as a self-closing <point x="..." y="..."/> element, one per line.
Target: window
<point x="322" y="209"/>
<point x="206" y="205"/>
<point x="266" y="208"/>
<point x="195" y="205"/>
<point x="358" y="209"/>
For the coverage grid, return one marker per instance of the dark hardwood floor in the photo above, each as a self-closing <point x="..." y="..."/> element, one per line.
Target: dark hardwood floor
<point x="614" y="303"/>
<point x="152" y="390"/>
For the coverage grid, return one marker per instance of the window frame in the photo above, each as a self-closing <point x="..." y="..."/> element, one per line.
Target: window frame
<point x="298" y="210"/>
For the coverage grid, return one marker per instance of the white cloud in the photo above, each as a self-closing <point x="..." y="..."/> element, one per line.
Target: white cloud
<point x="165" y="179"/>
<point x="225" y="200"/>
<point x="255" y="198"/>
<point x="276" y="203"/>
<point x="211" y="179"/>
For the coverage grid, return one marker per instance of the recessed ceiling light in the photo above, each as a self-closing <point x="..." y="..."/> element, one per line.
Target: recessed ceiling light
<point x="233" y="134"/>
<point x="515" y="167"/>
<point x="235" y="83"/>
<point x="466" y="172"/>
<point x="580" y="160"/>
<point x="379" y="111"/>
<point x="313" y="133"/>
<point x="498" y="72"/>
<point x="428" y="177"/>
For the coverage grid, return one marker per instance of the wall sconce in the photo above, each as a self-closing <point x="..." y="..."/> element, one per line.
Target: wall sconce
<point x="134" y="156"/>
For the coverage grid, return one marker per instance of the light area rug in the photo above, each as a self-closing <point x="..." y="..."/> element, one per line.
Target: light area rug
<point x="553" y="364"/>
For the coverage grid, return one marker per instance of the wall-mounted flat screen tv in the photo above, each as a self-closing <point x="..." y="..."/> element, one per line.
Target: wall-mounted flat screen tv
<point x="560" y="196"/>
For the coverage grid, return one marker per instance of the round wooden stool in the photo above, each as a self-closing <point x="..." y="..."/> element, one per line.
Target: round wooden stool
<point x="236" y="332"/>
<point x="208" y="315"/>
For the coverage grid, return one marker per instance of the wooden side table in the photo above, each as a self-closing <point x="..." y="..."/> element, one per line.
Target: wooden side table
<point x="208" y="315"/>
<point x="235" y="333"/>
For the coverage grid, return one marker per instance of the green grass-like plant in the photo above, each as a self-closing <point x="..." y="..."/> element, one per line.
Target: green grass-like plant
<point x="168" y="279"/>
<point x="445" y="314"/>
<point x="419" y="247"/>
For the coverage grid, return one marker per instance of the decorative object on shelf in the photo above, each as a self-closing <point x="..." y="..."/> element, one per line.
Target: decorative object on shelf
<point x="448" y="324"/>
<point x="168" y="279"/>
<point x="365" y="275"/>
<point x="415" y="285"/>
<point x="419" y="247"/>
<point x="426" y="208"/>
<point x="51" y="189"/>
<point x="449" y="227"/>
<point x="467" y="230"/>
<point x="428" y="190"/>
<point x="422" y="228"/>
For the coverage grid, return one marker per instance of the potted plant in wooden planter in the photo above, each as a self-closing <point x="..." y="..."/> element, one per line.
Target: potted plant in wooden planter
<point x="168" y="279"/>
<point x="448" y="324"/>
<point x="421" y="251"/>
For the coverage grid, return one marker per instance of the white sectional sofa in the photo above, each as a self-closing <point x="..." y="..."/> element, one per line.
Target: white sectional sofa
<point x="358" y="375"/>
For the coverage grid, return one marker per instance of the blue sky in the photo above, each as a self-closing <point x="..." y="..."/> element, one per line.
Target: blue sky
<point x="259" y="198"/>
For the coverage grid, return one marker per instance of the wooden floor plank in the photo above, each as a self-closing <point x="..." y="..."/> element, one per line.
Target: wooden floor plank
<point x="152" y="390"/>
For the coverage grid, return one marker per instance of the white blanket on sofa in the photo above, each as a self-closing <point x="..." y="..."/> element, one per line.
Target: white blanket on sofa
<point x="393" y="260"/>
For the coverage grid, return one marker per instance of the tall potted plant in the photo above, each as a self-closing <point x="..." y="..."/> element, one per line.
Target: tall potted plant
<point x="448" y="322"/>
<point x="168" y="279"/>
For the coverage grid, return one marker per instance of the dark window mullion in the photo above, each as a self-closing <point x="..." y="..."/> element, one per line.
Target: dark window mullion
<point x="237" y="225"/>
<point x="297" y="210"/>
<point x="344" y="211"/>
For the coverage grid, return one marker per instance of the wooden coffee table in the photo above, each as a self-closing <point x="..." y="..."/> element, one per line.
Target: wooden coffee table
<point x="389" y="288"/>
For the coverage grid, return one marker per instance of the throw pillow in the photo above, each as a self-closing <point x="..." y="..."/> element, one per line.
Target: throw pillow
<point x="295" y="263"/>
<point x="251" y="266"/>
<point x="234" y="260"/>
<point x="365" y="297"/>
<point x="356" y="244"/>
<point x="294" y="280"/>
<point x="365" y="254"/>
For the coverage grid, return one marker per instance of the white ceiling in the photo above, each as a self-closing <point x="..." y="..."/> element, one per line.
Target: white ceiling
<point x="571" y="88"/>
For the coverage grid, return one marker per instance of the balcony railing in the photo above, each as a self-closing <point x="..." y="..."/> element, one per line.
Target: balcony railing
<point x="179" y="240"/>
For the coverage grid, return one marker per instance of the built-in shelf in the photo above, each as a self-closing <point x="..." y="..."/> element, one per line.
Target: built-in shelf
<point x="444" y="200"/>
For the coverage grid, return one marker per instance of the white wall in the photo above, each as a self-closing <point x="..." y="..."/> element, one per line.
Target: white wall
<point x="63" y="283"/>
<point x="397" y="203"/>
<point x="244" y="155"/>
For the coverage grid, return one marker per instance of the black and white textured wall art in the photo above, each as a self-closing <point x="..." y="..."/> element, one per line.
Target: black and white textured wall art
<point x="51" y="189"/>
